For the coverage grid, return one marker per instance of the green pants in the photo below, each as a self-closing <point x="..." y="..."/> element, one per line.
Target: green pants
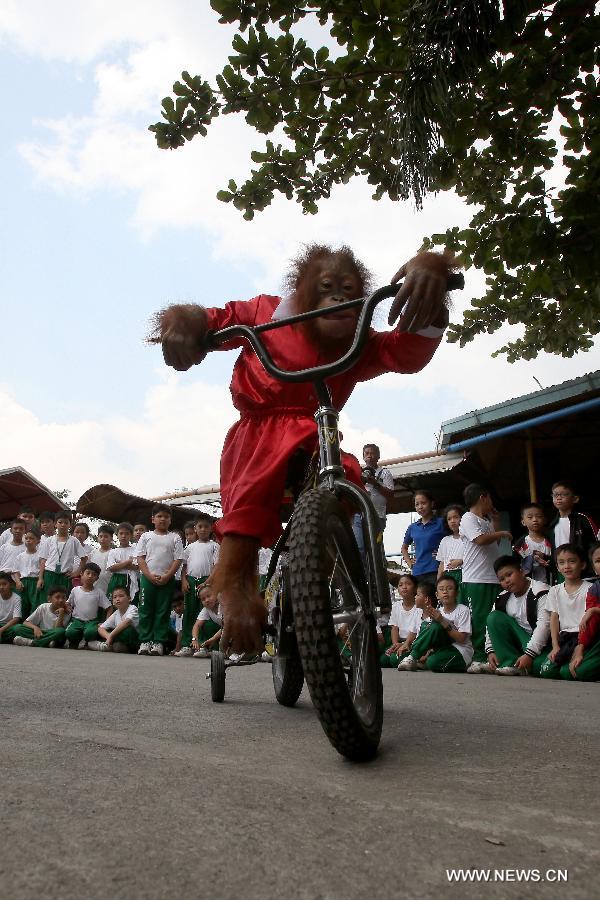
<point x="191" y="608"/>
<point x="58" y="635"/>
<point x="155" y="610"/>
<point x="30" y="596"/>
<point x="391" y="661"/>
<point x="445" y="657"/>
<point x="53" y="579"/>
<point x="509" y="640"/>
<point x="129" y="637"/>
<point x="588" y="670"/>
<point x="208" y="629"/>
<point x="480" y="599"/>
<point x="78" y="630"/>
<point x="117" y="580"/>
<point x="9" y="635"/>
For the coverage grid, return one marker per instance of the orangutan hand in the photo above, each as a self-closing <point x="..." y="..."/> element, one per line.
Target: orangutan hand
<point x="424" y="291"/>
<point x="181" y="330"/>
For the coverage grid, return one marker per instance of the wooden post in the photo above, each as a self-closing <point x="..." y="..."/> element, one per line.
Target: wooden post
<point x="531" y="469"/>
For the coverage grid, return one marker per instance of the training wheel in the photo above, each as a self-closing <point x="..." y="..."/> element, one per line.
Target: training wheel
<point x="217" y="676"/>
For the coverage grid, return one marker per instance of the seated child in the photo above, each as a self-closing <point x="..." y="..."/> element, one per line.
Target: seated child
<point x="518" y="628"/>
<point x="176" y="623"/>
<point x="446" y="642"/>
<point x="571" y="526"/>
<point x="585" y="662"/>
<point x="120" y="563"/>
<point x="405" y="621"/>
<point x="61" y="556"/>
<point x="27" y="572"/>
<point x="566" y="604"/>
<point x="119" y="632"/>
<point x="206" y="632"/>
<point x="534" y="548"/>
<point x="45" y="627"/>
<point x="85" y="603"/>
<point x="451" y="550"/>
<point x="10" y="608"/>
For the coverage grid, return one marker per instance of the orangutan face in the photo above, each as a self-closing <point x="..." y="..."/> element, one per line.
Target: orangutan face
<point x="332" y="281"/>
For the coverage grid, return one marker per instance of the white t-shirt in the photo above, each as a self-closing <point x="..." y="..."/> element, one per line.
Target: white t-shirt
<point x="88" y="549"/>
<point x="461" y="621"/>
<point x="85" y="604"/>
<point x="516" y="607"/>
<point x="61" y="553"/>
<point x="45" y="617"/>
<point x="28" y="564"/>
<point x="208" y="614"/>
<point x="100" y="557"/>
<point x="5" y="537"/>
<point x="478" y="560"/>
<point x="200" y="558"/>
<point x="450" y="548"/>
<point x="177" y="622"/>
<point x="384" y="477"/>
<point x="570" y="607"/>
<point x="562" y="531"/>
<point x="131" y="615"/>
<point x="10" y="609"/>
<point x="405" y="620"/>
<point x="119" y="555"/>
<point x="160" y="550"/>
<point x="9" y="553"/>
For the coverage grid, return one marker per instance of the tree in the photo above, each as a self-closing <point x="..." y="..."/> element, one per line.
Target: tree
<point x="423" y="96"/>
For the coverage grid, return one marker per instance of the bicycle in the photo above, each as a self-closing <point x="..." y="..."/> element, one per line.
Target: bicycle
<point x="325" y="582"/>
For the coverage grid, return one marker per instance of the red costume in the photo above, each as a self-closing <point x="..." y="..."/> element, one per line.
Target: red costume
<point x="277" y="418"/>
<point x="589" y="634"/>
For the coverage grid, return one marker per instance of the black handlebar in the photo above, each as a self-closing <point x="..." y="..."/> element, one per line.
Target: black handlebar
<point x="214" y="339"/>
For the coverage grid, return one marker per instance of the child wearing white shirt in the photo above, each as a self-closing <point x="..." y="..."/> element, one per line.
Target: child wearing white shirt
<point x="45" y="627"/>
<point x="27" y="571"/>
<point x="199" y="558"/>
<point x="85" y="603"/>
<point x="10" y="609"/>
<point x="446" y="642"/>
<point x="11" y="549"/>
<point x="119" y="632"/>
<point x="566" y="604"/>
<point x="120" y="563"/>
<point x="159" y="553"/>
<point x="206" y="632"/>
<point x="404" y="621"/>
<point x="451" y="549"/>
<point x="60" y="557"/>
<point x="99" y="555"/>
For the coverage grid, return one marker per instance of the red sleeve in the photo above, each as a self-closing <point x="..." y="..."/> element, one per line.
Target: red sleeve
<point x="396" y="351"/>
<point x="240" y="312"/>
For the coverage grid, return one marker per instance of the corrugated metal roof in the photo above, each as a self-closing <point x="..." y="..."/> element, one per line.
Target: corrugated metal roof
<point x="557" y="395"/>
<point x="429" y="465"/>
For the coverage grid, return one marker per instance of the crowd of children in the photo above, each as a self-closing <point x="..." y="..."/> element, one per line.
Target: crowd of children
<point x="464" y="607"/>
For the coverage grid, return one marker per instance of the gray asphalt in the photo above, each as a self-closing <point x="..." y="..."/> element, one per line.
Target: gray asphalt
<point x="120" y="779"/>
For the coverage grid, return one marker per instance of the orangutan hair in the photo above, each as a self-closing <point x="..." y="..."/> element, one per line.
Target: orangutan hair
<point x="313" y="253"/>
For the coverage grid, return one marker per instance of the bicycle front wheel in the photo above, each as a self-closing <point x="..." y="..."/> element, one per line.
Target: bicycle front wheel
<point x="329" y="585"/>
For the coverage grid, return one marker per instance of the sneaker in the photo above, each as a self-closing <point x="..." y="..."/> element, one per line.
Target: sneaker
<point x="202" y="653"/>
<point x="102" y="645"/>
<point x="476" y="668"/>
<point x="52" y="645"/>
<point x="93" y="645"/>
<point x="185" y="651"/>
<point x="485" y="669"/>
<point x="266" y="657"/>
<point x="156" y="649"/>
<point x="23" y="641"/>
<point x="118" y="647"/>
<point x="511" y="670"/>
<point x="408" y="664"/>
<point x="144" y="648"/>
<point x="81" y="645"/>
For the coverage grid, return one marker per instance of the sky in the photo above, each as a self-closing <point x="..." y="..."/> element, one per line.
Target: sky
<point x="100" y="229"/>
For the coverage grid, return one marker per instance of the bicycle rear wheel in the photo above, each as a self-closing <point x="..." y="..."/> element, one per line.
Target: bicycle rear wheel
<point x="328" y="582"/>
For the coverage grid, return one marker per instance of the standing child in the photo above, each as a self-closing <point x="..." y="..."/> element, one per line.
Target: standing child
<point x="447" y="641"/>
<point x="11" y="549"/>
<point x="425" y="535"/>
<point x="100" y="555"/>
<point x="566" y="604"/>
<point x="27" y="571"/>
<point x="199" y="560"/>
<point x="405" y="621"/>
<point x="119" y="632"/>
<point x="45" y="627"/>
<point x="451" y="550"/>
<point x="10" y="609"/>
<point x="82" y="533"/>
<point x="206" y="632"/>
<point x="534" y="548"/>
<point x="480" y="588"/>
<point x="571" y="526"/>
<point x="585" y="662"/>
<point x="123" y="570"/>
<point x="159" y="553"/>
<point x="26" y="516"/>
<point x="85" y="603"/>
<point x="59" y="556"/>
<point x="47" y="528"/>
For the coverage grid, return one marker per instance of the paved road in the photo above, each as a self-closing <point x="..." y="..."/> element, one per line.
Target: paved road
<point x="120" y="779"/>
